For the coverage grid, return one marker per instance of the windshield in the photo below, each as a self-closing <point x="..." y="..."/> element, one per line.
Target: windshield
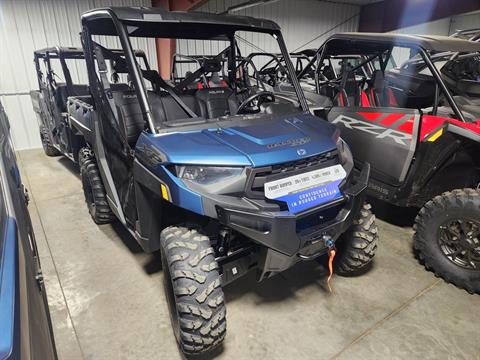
<point x="210" y="78"/>
<point x="259" y="64"/>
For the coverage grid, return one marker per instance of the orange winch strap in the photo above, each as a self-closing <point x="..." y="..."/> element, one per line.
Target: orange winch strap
<point x="331" y="256"/>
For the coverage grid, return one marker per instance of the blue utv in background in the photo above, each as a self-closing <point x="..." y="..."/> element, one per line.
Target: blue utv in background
<point x="25" y="326"/>
<point x="220" y="176"/>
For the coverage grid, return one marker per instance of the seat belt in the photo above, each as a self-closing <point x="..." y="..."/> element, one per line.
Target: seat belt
<point x="190" y="78"/>
<point x="147" y="74"/>
<point x="102" y="69"/>
<point x="155" y="77"/>
<point x="342" y="87"/>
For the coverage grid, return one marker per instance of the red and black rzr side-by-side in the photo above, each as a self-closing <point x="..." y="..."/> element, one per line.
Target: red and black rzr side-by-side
<point x="410" y="106"/>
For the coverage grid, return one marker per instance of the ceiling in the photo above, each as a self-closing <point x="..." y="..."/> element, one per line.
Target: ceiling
<point x="354" y="2"/>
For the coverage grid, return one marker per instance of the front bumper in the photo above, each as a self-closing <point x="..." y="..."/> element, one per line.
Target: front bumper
<point x="289" y="238"/>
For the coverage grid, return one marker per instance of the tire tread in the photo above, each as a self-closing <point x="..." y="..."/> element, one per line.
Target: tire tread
<point x="358" y="245"/>
<point x="457" y="198"/>
<point x="196" y="283"/>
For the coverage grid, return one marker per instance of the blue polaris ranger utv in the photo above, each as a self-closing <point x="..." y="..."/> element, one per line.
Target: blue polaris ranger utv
<point x="220" y="176"/>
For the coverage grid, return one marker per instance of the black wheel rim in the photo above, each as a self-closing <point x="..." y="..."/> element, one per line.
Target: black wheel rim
<point x="459" y="241"/>
<point x="172" y="307"/>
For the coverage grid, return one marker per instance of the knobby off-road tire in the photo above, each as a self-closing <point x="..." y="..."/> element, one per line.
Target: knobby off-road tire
<point x="47" y="144"/>
<point x="93" y="189"/>
<point x="443" y="244"/>
<point x="193" y="290"/>
<point x="357" y="246"/>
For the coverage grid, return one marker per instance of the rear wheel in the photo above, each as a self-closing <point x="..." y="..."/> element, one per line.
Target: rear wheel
<point x="357" y="246"/>
<point x="93" y="189"/>
<point x="447" y="237"/>
<point x="193" y="290"/>
<point x="48" y="148"/>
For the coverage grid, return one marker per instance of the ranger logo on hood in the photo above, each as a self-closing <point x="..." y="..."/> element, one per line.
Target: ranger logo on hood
<point x="290" y="142"/>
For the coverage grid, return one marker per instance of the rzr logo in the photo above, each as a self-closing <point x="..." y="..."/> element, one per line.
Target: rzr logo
<point x="379" y="131"/>
<point x="301" y="152"/>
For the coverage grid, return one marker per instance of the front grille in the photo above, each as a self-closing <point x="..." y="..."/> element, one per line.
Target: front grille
<point x="257" y="177"/>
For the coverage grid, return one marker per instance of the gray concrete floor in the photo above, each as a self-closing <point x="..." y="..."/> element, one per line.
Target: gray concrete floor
<point x="107" y="301"/>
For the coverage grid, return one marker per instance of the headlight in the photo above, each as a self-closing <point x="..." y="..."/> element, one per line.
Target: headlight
<point x="345" y="155"/>
<point x="206" y="175"/>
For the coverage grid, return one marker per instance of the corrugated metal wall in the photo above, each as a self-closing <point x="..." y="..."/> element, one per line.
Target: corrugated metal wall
<point x="300" y="20"/>
<point x="26" y="25"/>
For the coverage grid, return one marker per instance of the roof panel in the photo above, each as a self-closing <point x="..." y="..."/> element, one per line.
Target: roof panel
<point x="172" y="24"/>
<point x="427" y="42"/>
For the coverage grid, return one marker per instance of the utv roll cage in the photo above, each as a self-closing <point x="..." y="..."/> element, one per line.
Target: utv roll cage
<point x="296" y="57"/>
<point x="65" y="53"/>
<point x="152" y="22"/>
<point x="274" y="59"/>
<point x="382" y="45"/>
<point x="467" y="34"/>
<point x="182" y="59"/>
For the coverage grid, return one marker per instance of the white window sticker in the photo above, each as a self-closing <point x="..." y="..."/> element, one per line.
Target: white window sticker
<point x="293" y="184"/>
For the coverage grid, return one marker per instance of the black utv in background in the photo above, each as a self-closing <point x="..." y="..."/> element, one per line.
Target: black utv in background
<point x="56" y="83"/>
<point x="25" y="326"/>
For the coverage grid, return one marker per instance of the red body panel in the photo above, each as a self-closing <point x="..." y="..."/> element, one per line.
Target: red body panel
<point x="431" y="123"/>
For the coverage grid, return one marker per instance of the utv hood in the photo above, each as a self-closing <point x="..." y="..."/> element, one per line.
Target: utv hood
<point x="269" y="142"/>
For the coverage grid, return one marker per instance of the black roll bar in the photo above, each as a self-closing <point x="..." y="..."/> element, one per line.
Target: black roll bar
<point x="291" y="70"/>
<point x="438" y="77"/>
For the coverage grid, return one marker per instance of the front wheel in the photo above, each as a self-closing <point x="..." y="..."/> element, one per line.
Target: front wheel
<point x="447" y="237"/>
<point x="193" y="290"/>
<point x="357" y="246"/>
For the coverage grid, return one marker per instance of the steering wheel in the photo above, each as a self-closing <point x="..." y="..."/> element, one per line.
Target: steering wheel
<point x="263" y="96"/>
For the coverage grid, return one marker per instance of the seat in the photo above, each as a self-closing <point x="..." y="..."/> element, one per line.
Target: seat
<point x="215" y="81"/>
<point x="349" y="94"/>
<point x="62" y="93"/>
<point x="131" y="122"/>
<point x="164" y="110"/>
<point x="218" y="101"/>
<point x="379" y="93"/>
<point x="170" y="110"/>
<point x="328" y="72"/>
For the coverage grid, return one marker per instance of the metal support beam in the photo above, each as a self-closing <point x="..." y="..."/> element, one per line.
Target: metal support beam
<point x="390" y="15"/>
<point x="166" y="48"/>
<point x="246" y="5"/>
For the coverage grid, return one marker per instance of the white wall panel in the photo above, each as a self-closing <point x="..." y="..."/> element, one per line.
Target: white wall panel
<point x="300" y="20"/>
<point x="446" y="26"/>
<point x="438" y="27"/>
<point x="465" y="21"/>
<point x="26" y="25"/>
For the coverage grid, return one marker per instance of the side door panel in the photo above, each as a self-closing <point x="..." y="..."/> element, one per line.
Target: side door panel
<point x="384" y="137"/>
<point x="33" y="334"/>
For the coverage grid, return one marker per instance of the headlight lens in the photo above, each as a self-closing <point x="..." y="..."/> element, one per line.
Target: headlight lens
<point x="206" y="175"/>
<point x="345" y="155"/>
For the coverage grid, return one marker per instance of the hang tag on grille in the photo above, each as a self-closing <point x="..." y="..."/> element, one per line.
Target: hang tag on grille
<point x="307" y="190"/>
